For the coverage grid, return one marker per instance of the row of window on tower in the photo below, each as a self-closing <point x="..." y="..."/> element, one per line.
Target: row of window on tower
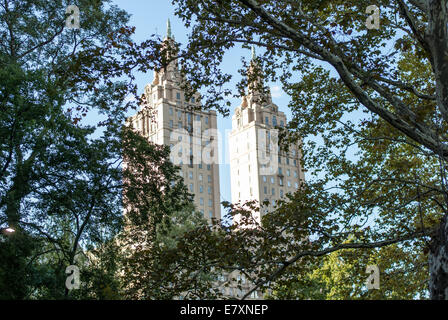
<point x="274" y="121"/>
<point x="201" y="188"/>
<point x="210" y="202"/>
<point x="281" y="193"/>
<point x="189" y="121"/>
<point x="179" y="97"/>
<point x="190" y="116"/>
<point x="210" y="213"/>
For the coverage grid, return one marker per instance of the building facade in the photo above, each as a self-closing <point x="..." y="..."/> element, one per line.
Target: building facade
<point x="259" y="169"/>
<point x="168" y="118"/>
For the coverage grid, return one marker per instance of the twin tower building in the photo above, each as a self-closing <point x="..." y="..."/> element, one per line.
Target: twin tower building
<point x="259" y="169"/>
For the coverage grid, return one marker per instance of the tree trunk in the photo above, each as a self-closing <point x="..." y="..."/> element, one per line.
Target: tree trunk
<point x="438" y="263"/>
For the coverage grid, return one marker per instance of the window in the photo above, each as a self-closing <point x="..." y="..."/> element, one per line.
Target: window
<point x="295" y="162"/>
<point x="201" y="201"/>
<point x="191" y="187"/>
<point x="280" y="171"/>
<point x="266" y="120"/>
<point x="210" y="203"/>
<point x="295" y="174"/>
<point x="281" y="193"/>
<point x="287" y="161"/>
<point x="273" y="191"/>
<point x="265" y="190"/>
<point x="200" y="177"/>
<point x="198" y="118"/>
<point x="202" y="211"/>
<point x="208" y="167"/>
<point x="209" y="178"/>
<point x="272" y="180"/>
<point x="200" y="166"/>
<point x="189" y="117"/>
<point x="280" y="181"/>
<point x="264" y="179"/>
<point x="179" y="125"/>
<point x="171" y="111"/>
<point x="279" y="159"/>
<point x="179" y="114"/>
<point x="193" y="100"/>
<point x="201" y="189"/>
<point x="288" y="173"/>
<point x="296" y="185"/>
<point x="210" y="214"/>
<point x="206" y="120"/>
<point x="274" y="121"/>
<point x="281" y="123"/>
<point x="178" y="95"/>
<point x="289" y="183"/>
<point x="191" y="174"/>
<point x="171" y="124"/>
<point x="209" y="189"/>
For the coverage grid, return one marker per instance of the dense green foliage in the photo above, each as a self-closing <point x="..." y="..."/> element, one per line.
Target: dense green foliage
<point x="60" y="182"/>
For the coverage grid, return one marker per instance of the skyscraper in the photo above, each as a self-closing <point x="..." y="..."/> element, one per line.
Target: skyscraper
<point x="169" y="118"/>
<point x="259" y="169"/>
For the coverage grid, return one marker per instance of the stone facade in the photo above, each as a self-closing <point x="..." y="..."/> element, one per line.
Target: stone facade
<point x="168" y="118"/>
<point x="259" y="169"/>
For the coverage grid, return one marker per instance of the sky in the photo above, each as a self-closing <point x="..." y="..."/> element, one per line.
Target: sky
<point x="150" y="17"/>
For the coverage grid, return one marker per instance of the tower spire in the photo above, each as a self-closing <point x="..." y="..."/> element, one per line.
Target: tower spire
<point x="168" y="29"/>
<point x="253" y="53"/>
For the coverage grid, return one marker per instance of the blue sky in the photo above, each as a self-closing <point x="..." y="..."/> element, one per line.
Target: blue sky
<point x="150" y="17"/>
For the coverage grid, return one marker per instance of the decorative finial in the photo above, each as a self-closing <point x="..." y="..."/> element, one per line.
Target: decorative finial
<point x="168" y="29"/>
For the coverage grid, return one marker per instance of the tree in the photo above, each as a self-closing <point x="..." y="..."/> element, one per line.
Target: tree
<point x="159" y="211"/>
<point x="60" y="188"/>
<point x="377" y="99"/>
